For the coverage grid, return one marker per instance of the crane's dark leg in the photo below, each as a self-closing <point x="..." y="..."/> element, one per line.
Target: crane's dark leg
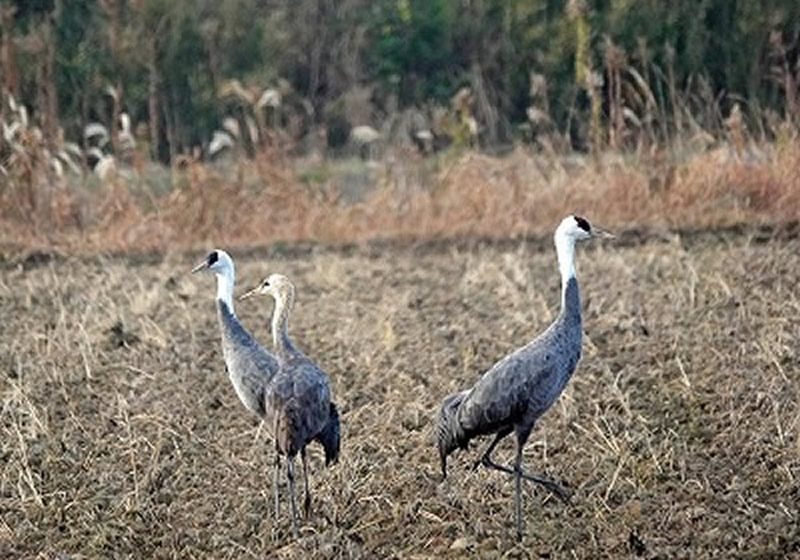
<point x="276" y="481"/>
<point x="307" y="500"/>
<point x="290" y="476"/>
<point x="550" y="485"/>
<point x="486" y="459"/>
<point x="518" y="487"/>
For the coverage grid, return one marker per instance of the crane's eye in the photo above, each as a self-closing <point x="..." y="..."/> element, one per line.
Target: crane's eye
<point x="212" y="258"/>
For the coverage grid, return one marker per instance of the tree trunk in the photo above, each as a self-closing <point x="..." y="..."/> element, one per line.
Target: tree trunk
<point x="113" y="9"/>
<point x="152" y="101"/>
<point x="169" y="123"/>
<point x="8" y="58"/>
<point x="116" y="96"/>
<point x="49" y="107"/>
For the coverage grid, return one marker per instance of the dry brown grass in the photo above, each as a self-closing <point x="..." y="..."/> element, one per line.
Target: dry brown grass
<point x="468" y="195"/>
<point x="121" y="436"/>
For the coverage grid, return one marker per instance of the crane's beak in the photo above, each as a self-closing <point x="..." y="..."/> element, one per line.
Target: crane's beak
<point x="249" y="293"/>
<point x="602" y="234"/>
<point x="201" y="266"/>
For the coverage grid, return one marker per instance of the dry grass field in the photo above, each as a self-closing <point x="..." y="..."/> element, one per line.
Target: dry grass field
<point x="678" y="434"/>
<point x="464" y="194"/>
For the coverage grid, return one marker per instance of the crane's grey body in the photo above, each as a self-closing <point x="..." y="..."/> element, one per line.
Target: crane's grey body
<point x="288" y="391"/>
<point x="518" y="389"/>
<point x="297" y="400"/>
<point x="249" y="365"/>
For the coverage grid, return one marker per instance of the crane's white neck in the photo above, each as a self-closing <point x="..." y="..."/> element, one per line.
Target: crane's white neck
<point x="225" y="277"/>
<point x="280" y="324"/>
<point x="565" y="252"/>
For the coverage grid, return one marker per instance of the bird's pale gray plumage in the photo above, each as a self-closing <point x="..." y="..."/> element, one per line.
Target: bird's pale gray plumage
<point x="298" y="399"/>
<point x="521" y="386"/>
<point x="249" y="366"/>
<point x="518" y="389"/>
<point x="260" y="379"/>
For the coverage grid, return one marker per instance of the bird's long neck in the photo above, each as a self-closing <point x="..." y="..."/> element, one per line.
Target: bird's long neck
<point x="570" y="297"/>
<point x="280" y="325"/>
<point x="225" y="279"/>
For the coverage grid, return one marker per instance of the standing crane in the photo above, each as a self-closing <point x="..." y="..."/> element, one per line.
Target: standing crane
<point x="298" y="398"/>
<point x="518" y="389"/>
<point x="249" y="365"/>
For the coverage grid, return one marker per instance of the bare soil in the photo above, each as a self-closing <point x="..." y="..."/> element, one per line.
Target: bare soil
<point x="678" y="434"/>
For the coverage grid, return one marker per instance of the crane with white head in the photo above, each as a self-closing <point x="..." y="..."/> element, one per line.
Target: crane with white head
<point x="518" y="389"/>
<point x="249" y="365"/>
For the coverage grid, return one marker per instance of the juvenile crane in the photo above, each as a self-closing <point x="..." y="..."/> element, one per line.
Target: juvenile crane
<point x="298" y="398"/>
<point x="518" y="389"/>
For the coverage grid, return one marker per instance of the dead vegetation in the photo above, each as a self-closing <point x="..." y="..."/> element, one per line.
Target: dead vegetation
<point x="465" y="194"/>
<point x="678" y="434"/>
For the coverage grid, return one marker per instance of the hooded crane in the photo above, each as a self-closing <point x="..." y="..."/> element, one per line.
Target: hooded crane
<point x="518" y="389"/>
<point x="250" y="367"/>
<point x="298" y="398"/>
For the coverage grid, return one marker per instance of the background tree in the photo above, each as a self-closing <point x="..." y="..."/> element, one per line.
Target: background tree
<point x="664" y="69"/>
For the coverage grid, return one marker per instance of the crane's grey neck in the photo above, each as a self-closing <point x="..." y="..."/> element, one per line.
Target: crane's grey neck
<point x="280" y="324"/>
<point x="225" y="277"/>
<point x="571" y="301"/>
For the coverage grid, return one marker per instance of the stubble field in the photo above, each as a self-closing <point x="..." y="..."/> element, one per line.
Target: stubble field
<point x="678" y="434"/>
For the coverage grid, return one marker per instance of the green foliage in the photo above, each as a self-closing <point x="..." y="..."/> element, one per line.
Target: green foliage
<point x="413" y="51"/>
<point x="172" y="56"/>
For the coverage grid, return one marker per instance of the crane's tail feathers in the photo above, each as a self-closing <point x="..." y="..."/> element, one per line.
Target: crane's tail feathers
<point x="449" y="435"/>
<point x="329" y="436"/>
